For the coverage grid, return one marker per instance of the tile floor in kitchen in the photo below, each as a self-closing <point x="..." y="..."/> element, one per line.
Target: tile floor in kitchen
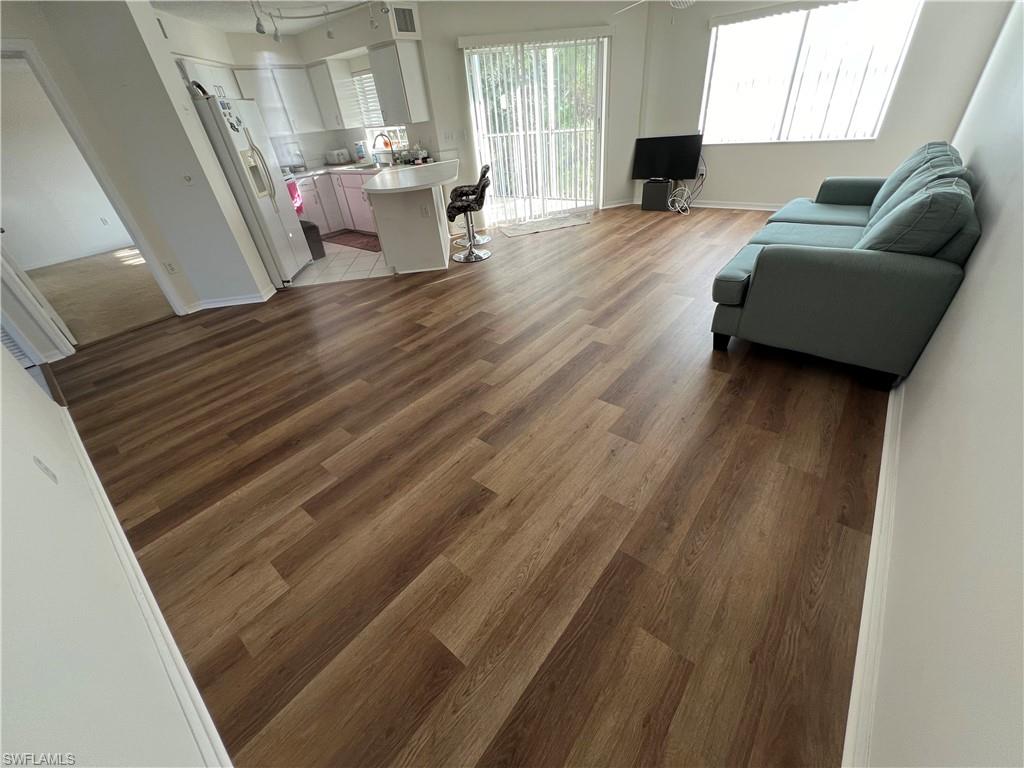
<point x="342" y="262"/>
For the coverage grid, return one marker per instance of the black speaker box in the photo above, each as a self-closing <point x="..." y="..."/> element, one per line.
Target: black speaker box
<point x="656" y="195"/>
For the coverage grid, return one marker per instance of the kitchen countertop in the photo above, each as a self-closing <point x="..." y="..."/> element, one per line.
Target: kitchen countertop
<point x="351" y="168"/>
<point x="408" y="178"/>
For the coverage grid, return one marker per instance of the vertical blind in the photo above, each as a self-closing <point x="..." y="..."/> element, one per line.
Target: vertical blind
<point x="824" y="73"/>
<point x="537" y="118"/>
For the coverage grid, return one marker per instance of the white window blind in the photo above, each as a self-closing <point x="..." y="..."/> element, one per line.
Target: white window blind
<point x="806" y="75"/>
<point x="366" y="98"/>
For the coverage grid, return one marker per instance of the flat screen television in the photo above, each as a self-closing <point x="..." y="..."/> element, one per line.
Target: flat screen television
<point x="667" y="157"/>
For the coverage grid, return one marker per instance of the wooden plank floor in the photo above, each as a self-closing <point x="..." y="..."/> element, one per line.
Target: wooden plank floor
<point x="515" y="514"/>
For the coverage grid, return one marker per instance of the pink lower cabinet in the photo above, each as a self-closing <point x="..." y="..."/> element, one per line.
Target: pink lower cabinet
<point x="312" y="210"/>
<point x="329" y="203"/>
<point x="339" y="193"/>
<point x="359" y="202"/>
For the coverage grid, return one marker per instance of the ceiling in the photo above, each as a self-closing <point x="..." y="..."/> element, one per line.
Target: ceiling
<point x="237" y="15"/>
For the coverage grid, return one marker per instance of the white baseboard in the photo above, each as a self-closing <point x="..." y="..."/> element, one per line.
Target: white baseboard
<point x="230" y="301"/>
<point x="618" y="204"/>
<point x="860" y="719"/>
<point x="207" y="740"/>
<point x="737" y="206"/>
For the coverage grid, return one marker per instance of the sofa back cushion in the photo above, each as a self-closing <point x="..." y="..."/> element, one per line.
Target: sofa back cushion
<point x="935" y="167"/>
<point x="925" y="222"/>
<point x="962" y="243"/>
<point x="917" y="158"/>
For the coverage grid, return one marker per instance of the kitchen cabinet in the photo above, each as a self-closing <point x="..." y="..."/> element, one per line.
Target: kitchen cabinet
<point x="326" y="98"/>
<point x="260" y="85"/>
<point x="329" y="203"/>
<point x="218" y="81"/>
<point x="299" y="101"/>
<point x="312" y="210"/>
<point x="339" y="193"/>
<point x="335" y="93"/>
<point x="359" y="203"/>
<point x="398" y="77"/>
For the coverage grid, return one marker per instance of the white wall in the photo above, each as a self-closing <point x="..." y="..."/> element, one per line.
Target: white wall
<point x="948" y="50"/>
<point x="187" y="38"/>
<point x="149" y="151"/>
<point x="950" y="676"/>
<point x="87" y="665"/>
<point x="53" y="209"/>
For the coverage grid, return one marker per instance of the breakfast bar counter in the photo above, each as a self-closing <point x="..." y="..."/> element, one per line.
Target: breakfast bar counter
<point x="409" y="206"/>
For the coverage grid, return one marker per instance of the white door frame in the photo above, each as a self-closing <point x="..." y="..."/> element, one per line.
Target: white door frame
<point x="24" y="48"/>
<point x="36" y="305"/>
<point x="54" y="338"/>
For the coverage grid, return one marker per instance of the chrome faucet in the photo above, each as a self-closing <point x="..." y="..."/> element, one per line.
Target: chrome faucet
<point x="387" y="143"/>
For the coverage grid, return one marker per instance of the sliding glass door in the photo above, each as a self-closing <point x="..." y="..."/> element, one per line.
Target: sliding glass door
<point x="537" y="112"/>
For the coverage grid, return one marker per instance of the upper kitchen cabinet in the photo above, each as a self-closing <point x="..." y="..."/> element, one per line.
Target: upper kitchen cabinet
<point x="217" y="80"/>
<point x="260" y="85"/>
<point x="326" y="98"/>
<point x="335" y="93"/>
<point x="401" y="88"/>
<point x="285" y="98"/>
<point x="299" y="102"/>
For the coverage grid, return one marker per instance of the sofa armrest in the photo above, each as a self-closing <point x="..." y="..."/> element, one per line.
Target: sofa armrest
<point x="849" y="190"/>
<point x="871" y="308"/>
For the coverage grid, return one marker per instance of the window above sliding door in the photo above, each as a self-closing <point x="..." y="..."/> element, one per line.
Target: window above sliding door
<point x="817" y="74"/>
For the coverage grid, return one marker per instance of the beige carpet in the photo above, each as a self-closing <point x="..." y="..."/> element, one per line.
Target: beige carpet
<point x="103" y="295"/>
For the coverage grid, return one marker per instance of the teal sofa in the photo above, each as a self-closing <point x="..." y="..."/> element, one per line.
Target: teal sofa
<point x="861" y="274"/>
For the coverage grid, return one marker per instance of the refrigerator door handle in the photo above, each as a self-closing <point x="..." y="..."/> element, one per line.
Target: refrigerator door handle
<point x="266" y="169"/>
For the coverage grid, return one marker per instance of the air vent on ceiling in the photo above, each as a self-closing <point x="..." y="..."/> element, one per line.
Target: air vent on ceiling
<point x="405" y="20"/>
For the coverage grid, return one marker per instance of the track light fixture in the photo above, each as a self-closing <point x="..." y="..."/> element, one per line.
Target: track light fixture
<point x="327" y="16"/>
<point x="277" y="32"/>
<point x="260" y="29"/>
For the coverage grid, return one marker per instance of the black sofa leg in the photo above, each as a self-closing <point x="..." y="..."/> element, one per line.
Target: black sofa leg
<point x="720" y="340"/>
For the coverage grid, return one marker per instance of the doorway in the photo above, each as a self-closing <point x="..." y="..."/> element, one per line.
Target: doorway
<point x="61" y="232"/>
<point x="537" y="113"/>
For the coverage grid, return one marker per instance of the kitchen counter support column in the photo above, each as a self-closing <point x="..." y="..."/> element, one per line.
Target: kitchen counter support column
<point x="410" y="208"/>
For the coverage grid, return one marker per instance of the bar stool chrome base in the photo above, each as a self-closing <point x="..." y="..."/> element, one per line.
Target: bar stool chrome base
<point x="477" y="240"/>
<point x="471" y="255"/>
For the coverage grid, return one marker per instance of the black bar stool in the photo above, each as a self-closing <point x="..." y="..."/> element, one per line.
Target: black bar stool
<point x="467" y="206"/>
<point x="470" y="190"/>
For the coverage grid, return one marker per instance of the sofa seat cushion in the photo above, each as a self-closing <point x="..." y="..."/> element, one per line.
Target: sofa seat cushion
<point x="730" y="286"/>
<point x="917" y="158"/>
<point x="925" y="222"/>
<point x="803" y="210"/>
<point x="824" y="235"/>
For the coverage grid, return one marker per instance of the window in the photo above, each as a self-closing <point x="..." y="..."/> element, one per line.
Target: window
<point x="366" y="99"/>
<point x="805" y="75"/>
<point x="396" y="134"/>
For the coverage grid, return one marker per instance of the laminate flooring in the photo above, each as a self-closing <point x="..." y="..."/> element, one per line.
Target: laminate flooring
<point x="518" y="513"/>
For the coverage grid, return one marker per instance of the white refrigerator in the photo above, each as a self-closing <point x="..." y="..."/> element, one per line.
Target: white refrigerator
<point x="247" y="156"/>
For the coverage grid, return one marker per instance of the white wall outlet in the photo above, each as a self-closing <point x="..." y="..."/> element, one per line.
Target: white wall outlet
<point x="425" y="211"/>
<point x="171" y="267"/>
